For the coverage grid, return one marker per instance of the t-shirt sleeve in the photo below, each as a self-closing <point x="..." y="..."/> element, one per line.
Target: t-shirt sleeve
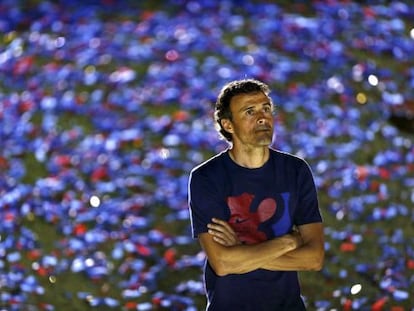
<point x="204" y="201"/>
<point x="308" y="206"/>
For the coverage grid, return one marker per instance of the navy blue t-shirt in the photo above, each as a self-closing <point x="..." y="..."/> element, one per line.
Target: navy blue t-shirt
<point x="259" y="204"/>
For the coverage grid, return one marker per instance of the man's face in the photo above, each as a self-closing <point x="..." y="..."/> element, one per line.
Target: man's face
<point x="252" y="120"/>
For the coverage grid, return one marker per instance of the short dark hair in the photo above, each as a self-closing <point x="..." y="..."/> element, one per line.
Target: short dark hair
<point x="229" y="90"/>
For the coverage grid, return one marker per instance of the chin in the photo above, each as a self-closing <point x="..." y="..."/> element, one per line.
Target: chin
<point x="265" y="140"/>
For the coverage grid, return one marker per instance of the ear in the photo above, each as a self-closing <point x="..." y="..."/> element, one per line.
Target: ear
<point x="227" y="125"/>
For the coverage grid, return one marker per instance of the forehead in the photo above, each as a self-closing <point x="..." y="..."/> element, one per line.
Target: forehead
<point x="251" y="99"/>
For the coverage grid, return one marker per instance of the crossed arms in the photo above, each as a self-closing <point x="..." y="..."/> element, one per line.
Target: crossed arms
<point x="301" y="250"/>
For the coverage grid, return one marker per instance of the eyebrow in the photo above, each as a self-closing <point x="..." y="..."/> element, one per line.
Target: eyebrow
<point x="268" y="103"/>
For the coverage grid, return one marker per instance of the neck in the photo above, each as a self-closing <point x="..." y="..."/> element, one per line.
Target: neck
<point x="250" y="157"/>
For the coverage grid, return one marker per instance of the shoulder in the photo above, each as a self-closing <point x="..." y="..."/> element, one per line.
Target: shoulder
<point x="290" y="163"/>
<point x="209" y="173"/>
<point x="210" y="166"/>
<point x="282" y="156"/>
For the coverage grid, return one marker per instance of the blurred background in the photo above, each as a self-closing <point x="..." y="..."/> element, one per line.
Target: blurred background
<point x="105" y="107"/>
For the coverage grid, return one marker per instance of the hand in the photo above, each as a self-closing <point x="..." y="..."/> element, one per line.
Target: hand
<point x="223" y="233"/>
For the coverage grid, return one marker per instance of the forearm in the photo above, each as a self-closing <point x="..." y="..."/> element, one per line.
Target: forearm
<point x="240" y="259"/>
<point x="307" y="257"/>
<point x="226" y="255"/>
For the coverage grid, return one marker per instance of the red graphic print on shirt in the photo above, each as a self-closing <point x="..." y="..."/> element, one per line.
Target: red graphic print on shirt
<point x="246" y="223"/>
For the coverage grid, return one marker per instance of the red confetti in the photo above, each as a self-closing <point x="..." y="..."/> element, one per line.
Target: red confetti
<point x="170" y="256"/>
<point x="348" y="247"/>
<point x="143" y="250"/>
<point x="131" y="305"/>
<point x="347" y="305"/>
<point x="379" y="304"/>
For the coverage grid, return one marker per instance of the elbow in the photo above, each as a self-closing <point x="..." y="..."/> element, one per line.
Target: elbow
<point x="317" y="266"/>
<point x="220" y="271"/>
<point x="219" y="267"/>
<point x="221" y="264"/>
<point x="318" y="262"/>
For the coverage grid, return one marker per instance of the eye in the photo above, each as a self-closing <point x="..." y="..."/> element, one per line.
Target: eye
<point x="250" y="112"/>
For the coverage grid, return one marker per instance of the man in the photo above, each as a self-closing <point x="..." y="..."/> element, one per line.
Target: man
<point x="254" y="210"/>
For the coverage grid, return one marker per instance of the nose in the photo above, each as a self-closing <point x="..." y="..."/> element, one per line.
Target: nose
<point x="263" y="116"/>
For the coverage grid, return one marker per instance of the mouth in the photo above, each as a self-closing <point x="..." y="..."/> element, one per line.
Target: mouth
<point x="263" y="129"/>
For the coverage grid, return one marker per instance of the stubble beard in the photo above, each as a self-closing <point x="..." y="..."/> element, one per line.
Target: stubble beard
<point x="264" y="138"/>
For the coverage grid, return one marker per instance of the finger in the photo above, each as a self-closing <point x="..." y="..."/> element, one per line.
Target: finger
<point x="223" y="237"/>
<point x="222" y="232"/>
<point x="216" y="227"/>
<point x="223" y="223"/>
<point x="224" y="240"/>
<point x="219" y="234"/>
<point x="225" y="227"/>
<point x="221" y="241"/>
